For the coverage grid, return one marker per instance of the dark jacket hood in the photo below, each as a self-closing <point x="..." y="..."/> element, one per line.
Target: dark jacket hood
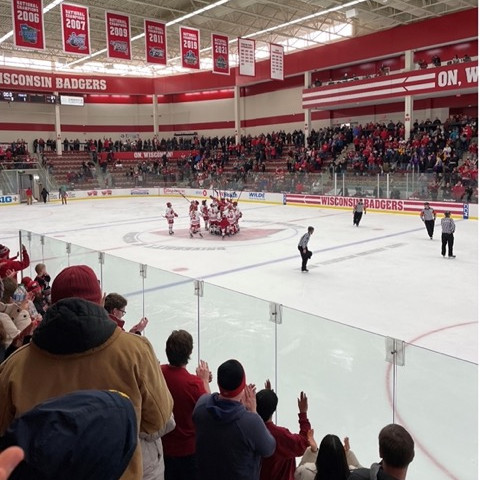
<point x="88" y="434"/>
<point x="73" y="325"/>
<point x="225" y="411"/>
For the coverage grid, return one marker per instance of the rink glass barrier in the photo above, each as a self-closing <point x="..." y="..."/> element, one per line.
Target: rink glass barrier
<point x="405" y="184"/>
<point x="352" y="389"/>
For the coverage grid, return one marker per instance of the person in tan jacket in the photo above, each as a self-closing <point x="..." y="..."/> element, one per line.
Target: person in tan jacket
<point x="77" y="347"/>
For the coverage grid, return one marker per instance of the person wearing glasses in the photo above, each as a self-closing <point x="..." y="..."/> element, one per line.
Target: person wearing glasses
<point x="115" y="305"/>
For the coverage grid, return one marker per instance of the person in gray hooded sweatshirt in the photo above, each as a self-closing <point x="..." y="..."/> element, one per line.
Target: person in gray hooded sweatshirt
<point x="231" y="438"/>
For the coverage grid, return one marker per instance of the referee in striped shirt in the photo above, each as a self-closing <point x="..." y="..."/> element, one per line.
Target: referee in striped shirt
<point x="448" y="228"/>
<point x="303" y="249"/>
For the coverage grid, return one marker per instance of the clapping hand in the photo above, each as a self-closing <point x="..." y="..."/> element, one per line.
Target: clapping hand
<point x="311" y="440"/>
<point x="249" y="398"/>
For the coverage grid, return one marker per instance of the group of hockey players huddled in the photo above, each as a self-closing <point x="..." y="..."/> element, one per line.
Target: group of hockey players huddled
<point x="220" y="218"/>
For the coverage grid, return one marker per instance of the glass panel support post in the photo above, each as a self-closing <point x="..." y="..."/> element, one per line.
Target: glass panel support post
<point x="276" y="313"/>
<point x="198" y="288"/>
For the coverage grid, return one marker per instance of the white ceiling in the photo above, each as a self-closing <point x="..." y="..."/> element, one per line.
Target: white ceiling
<point x="236" y="18"/>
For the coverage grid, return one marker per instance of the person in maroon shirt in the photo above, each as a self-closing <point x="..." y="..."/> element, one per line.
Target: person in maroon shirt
<point x="281" y="465"/>
<point x="186" y="389"/>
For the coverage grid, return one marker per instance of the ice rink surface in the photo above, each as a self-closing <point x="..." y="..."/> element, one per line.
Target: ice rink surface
<point x="385" y="277"/>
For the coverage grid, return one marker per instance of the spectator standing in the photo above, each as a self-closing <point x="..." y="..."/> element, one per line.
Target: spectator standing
<point x="77" y="347"/>
<point x="186" y="389"/>
<point x="397" y="450"/>
<point x="332" y="460"/>
<point x="29" y="195"/>
<point x="44" y="194"/>
<point x="305" y="253"/>
<point x="11" y="264"/>
<point x="448" y="229"/>
<point x="428" y="216"/>
<point x="281" y="465"/>
<point x="115" y="305"/>
<point x="358" y="212"/>
<point x="231" y="438"/>
<point x="62" y="193"/>
<point x="43" y="279"/>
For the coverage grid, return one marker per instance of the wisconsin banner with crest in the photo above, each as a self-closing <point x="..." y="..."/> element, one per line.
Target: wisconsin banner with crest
<point x="118" y="35"/>
<point x="220" y="54"/>
<point x="75" y="29"/>
<point x="28" y="29"/>
<point x="155" y="42"/>
<point x="190" y="47"/>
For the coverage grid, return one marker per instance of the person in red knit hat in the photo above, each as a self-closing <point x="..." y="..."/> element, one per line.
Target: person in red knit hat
<point x="281" y="465"/>
<point x="77" y="347"/>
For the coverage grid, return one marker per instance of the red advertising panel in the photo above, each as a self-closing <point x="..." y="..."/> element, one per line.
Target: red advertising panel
<point x="118" y="35"/>
<point x="220" y="54"/>
<point x="276" y="62"/>
<point x="75" y="29"/>
<point x="190" y="47"/>
<point x="28" y="31"/>
<point x="246" y="57"/>
<point x="155" y="42"/>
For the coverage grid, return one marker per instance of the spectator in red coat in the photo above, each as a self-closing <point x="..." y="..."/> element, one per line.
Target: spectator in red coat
<point x="186" y="389"/>
<point x="281" y="465"/>
<point x="7" y="265"/>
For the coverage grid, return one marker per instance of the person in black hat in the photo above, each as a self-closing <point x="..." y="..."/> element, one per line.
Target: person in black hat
<point x="231" y="438"/>
<point x="448" y="229"/>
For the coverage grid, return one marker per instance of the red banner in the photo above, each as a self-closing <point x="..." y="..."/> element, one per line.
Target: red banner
<point x="155" y="42"/>
<point x="190" y="47"/>
<point x="246" y="57"/>
<point x="130" y="156"/>
<point x="276" y="62"/>
<point x="75" y="29"/>
<point x="118" y="35"/>
<point x="28" y="31"/>
<point x="23" y="80"/>
<point x="220" y="54"/>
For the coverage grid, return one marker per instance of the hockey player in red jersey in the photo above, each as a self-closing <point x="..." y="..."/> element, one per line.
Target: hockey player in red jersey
<point x="170" y="215"/>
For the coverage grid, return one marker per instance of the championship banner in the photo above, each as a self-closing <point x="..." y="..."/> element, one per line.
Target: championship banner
<point x="118" y="35"/>
<point x="155" y="42"/>
<point x="75" y="29"/>
<point x="246" y="57"/>
<point x="276" y="62"/>
<point x="220" y="54"/>
<point x="190" y="47"/>
<point x="28" y="31"/>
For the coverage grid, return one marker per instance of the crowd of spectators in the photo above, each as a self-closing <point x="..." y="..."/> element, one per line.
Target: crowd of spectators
<point x="443" y="154"/>
<point x="171" y="431"/>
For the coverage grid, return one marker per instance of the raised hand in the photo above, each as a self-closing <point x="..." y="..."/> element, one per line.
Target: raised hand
<point x="302" y="403"/>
